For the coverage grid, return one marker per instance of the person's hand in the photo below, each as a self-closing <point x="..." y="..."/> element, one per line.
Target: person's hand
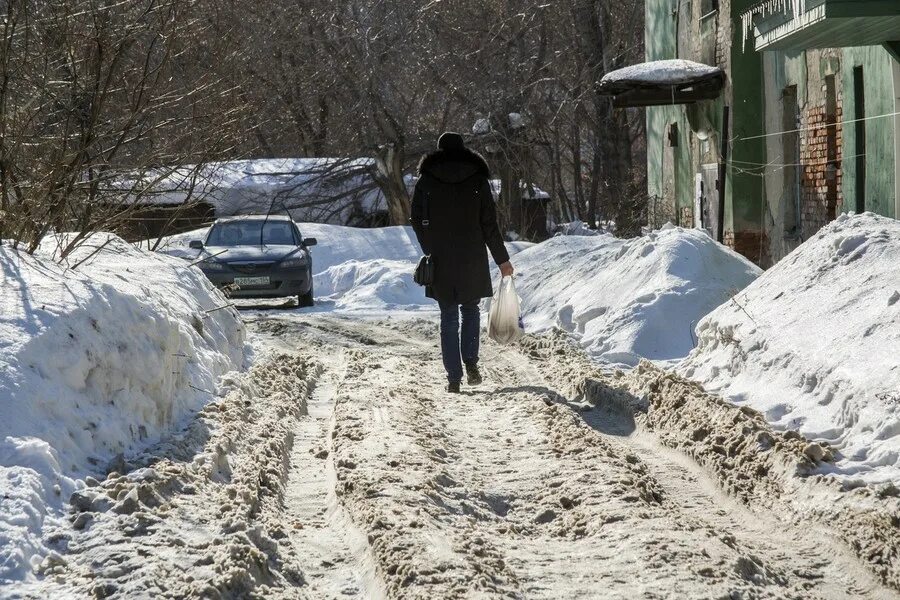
<point x="506" y="269"/>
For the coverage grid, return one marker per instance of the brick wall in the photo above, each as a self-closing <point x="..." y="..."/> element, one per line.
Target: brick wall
<point x="723" y="36"/>
<point x="820" y="187"/>
<point x="753" y="245"/>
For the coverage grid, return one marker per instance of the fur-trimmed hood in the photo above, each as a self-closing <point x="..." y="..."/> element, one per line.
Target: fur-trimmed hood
<point x="454" y="165"/>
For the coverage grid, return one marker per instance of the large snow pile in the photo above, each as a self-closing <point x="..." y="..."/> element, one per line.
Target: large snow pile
<point x="814" y="344"/>
<point x="95" y="360"/>
<point x="629" y="299"/>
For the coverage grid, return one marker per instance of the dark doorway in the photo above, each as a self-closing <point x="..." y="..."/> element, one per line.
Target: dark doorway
<point x="709" y="199"/>
<point x="859" y="115"/>
<point x="790" y="199"/>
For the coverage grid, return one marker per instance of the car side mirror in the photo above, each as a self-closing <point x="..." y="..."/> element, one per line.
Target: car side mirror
<point x="310" y="242"/>
<point x="196" y="245"/>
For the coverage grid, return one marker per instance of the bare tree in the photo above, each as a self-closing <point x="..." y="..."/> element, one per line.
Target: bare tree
<point x="97" y="92"/>
<point x="91" y="97"/>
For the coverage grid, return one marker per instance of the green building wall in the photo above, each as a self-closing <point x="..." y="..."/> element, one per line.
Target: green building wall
<point x="743" y="191"/>
<point x="661" y="44"/>
<point x="879" y="100"/>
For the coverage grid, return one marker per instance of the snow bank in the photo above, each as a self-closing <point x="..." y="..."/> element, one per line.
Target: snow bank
<point x="95" y="361"/>
<point x="814" y="344"/>
<point x="624" y="299"/>
<point x="370" y="284"/>
<point x="628" y="299"/>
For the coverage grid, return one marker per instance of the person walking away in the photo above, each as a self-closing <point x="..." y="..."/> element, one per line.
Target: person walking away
<point x="455" y="220"/>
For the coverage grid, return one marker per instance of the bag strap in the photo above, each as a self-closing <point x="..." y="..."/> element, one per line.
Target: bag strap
<point x="426" y="224"/>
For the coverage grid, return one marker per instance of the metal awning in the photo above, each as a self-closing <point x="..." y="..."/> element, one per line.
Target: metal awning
<point x="663" y="82"/>
<point x="804" y="24"/>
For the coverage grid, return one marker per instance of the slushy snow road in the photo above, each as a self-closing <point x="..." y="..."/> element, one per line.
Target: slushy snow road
<point x="337" y="467"/>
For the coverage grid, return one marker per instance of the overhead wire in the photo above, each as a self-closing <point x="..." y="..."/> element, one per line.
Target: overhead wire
<point x="819" y="126"/>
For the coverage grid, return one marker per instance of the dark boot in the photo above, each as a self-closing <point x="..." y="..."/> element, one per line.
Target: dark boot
<point x="474" y="376"/>
<point x="453" y="387"/>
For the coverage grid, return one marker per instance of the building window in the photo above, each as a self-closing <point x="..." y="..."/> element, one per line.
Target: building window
<point x="673" y="135"/>
<point x="707" y="7"/>
<point x="859" y="115"/>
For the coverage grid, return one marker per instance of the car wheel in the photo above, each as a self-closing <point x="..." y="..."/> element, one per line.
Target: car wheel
<point x="306" y="300"/>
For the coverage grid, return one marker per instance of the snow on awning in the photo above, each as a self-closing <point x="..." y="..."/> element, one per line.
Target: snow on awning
<point x="663" y="82"/>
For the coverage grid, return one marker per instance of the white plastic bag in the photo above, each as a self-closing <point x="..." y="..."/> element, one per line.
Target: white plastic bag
<point x="504" y="319"/>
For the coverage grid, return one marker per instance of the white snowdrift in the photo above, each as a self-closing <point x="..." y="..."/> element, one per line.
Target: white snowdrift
<point x="814" y="344"/>
<point x="371" y="284"/>
<point x="629" y="299"/>
<point x="95" y="361"/>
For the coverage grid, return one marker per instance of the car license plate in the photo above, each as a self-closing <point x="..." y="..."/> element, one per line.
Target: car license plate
<point x="251" y="281"/>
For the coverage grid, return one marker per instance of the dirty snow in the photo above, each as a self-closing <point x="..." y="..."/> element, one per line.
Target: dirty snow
<point x="99" y="356"/>
<point x="338" y="467"/>
<point x="628" y="299"/>
<point x="813" y="344"/>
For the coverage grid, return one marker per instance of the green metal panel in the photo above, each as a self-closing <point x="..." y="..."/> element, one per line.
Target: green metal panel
<point x="862" y="8"/>
<point x="879" y="100"/>
<point x="659" y="36"/>
<point x="659" y="44"/>
<point x="745" y="192"/>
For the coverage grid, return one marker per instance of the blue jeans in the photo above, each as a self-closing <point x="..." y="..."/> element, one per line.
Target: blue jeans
<point x="452" y="343"/>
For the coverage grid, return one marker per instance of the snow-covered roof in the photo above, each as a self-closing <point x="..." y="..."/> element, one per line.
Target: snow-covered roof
<point x="259" y="217"/>
<point x="661" y="72"/>
<point x="663" y="82"/>
<point x="314" y="189"/>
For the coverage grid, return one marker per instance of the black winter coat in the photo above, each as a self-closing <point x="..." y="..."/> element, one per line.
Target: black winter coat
<point x="462" y="221"/>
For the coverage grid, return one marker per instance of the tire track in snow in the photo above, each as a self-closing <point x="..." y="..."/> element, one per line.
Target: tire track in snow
<point x="337" y="564"/>
<point x="511" y="492"/>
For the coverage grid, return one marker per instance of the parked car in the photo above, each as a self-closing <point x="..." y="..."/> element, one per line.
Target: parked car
<point x="257" y="256"/>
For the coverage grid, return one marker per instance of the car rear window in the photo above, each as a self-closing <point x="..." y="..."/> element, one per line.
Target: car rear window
<point x="247" y="233"/>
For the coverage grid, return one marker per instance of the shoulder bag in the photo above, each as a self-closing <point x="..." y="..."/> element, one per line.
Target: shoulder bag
<point x="424" y="274"/>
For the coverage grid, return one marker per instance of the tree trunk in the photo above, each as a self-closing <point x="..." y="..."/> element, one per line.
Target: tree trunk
<point x="511" y="196"/>
<point x="389" y="177"/>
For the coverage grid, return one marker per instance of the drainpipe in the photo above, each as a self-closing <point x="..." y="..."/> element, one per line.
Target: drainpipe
<point x="676" y="14"/>
<point x="723" y="161"/>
